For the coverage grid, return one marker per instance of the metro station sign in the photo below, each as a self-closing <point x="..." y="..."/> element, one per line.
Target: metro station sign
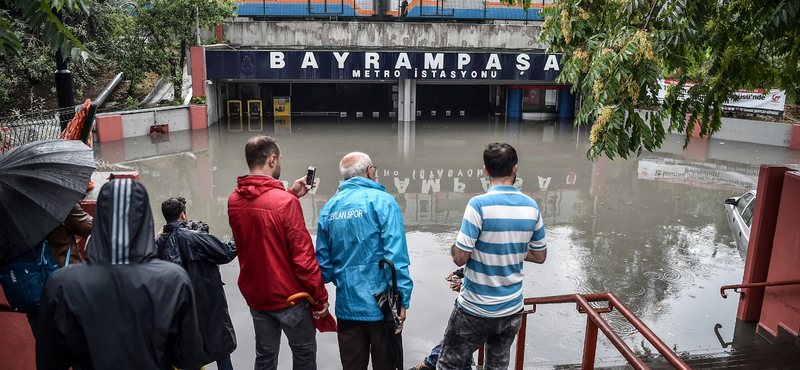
<point x="377" y="65"/>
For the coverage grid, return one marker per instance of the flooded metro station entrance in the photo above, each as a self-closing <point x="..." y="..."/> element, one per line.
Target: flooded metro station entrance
<point x="398" y="86"/>
<point x="374" y="100"/>
<point x="650" y="229"/>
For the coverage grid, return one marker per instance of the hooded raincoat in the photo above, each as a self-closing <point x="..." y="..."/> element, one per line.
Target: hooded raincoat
<point x="201" y="254"/>
<point x="123" y="309"/>
<point x="358" y="227"/>
<point x="275" y="251"/>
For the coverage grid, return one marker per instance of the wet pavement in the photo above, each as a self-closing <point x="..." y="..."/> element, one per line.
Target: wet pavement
<point x="651" y="229"/>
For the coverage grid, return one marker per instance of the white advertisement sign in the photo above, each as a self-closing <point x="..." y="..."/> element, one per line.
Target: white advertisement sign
<point x="750" y="101"/>
<point x="696" y="174"/>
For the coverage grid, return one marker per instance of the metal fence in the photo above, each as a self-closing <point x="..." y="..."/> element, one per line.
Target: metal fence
<point x="21" y="129"/>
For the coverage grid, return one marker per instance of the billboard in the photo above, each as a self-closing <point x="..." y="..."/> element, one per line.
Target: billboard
<point x="770" y="103"/>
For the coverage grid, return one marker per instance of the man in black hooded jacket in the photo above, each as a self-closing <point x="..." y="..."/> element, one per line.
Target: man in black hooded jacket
<point x="123" y="308"/>
<point x="200" y="254"/>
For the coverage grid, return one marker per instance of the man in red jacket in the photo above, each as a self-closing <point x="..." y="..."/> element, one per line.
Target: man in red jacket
<point x="276" y="257"/>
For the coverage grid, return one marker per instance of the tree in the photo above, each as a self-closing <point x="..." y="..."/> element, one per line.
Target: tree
<point x="614" y="52"/>
<point x="168" y="28"/>
<point x="42" y="13"/>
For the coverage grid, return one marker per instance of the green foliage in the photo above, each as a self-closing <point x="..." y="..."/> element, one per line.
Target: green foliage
<point x="616" y="50"/>
<point x="166" y="28"/>
<point x="199" y="99"/>
<point x="131" y="103"/>
<point x="41" y="14"/>
<point x="35" y="65"/>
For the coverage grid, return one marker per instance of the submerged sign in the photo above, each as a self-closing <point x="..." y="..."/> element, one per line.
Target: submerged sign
<point x="363" y="65"/>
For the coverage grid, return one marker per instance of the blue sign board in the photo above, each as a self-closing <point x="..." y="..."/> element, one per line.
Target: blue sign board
<point x="378" y="65"/>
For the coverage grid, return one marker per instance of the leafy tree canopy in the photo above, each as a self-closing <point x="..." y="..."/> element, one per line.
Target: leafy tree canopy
<point x="43" y="13"/>
<point x="616" y="50"/>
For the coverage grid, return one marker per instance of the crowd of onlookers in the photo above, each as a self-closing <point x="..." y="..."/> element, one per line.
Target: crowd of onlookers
<point x="139" y="302"/>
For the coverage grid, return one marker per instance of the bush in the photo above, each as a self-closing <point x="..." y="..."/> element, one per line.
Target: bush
<point x="131" y="103"/>
<point x="198" y="100"/>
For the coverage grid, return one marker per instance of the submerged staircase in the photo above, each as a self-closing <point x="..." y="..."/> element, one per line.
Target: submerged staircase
<point x="756" y="357"/>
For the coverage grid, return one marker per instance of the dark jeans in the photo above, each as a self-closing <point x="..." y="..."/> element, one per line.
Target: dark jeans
<point x="225" y="363"/>
<point x="465" y="333"/>
<point x="33" y="321"/>
<point x="298" y="325"/>
<point x="434" y="357"/>
<point x="360" y="339"/>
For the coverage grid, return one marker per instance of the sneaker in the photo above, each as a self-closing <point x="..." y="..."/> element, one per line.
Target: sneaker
<point x="422" y="366"/>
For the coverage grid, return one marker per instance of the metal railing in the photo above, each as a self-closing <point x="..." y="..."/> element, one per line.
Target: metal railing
<point x="26" y="128"/>
<point x="738" y="287"/>
<point x="594" y="322"/>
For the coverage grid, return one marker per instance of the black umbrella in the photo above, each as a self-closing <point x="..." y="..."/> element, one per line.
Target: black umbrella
<point x="40" y="182"/>
<point x="389" y="301"/>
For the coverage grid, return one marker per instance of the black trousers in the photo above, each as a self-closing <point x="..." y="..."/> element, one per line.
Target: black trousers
<point x="360" y="339"/>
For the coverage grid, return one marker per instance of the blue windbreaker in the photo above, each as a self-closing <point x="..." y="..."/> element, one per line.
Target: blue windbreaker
<point x="358" y="227"/>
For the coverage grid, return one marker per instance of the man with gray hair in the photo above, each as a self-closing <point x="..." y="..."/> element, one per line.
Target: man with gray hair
<point x="358" y="227"/>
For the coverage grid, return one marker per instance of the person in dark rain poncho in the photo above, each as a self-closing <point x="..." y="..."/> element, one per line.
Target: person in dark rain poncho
<point x="123" y="309"/>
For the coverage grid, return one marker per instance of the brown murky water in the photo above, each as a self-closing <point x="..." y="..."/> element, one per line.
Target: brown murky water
<point x="651" y="230"/>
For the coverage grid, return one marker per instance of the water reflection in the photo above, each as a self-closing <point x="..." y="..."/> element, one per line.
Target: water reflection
<point x="650" y="230"/>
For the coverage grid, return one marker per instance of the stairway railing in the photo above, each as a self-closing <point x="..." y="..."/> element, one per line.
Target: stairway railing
<point x="594" y="322"/>
<point x="738" y="287"/>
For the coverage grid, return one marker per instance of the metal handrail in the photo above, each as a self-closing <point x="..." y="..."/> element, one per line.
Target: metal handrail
<point x="593" y="323"/>
<point x="737" y="288"/>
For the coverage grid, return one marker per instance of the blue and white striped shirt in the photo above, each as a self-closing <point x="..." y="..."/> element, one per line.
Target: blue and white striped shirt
<point x="498" y="228"/>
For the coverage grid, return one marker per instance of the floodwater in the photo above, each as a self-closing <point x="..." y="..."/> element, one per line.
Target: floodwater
<point x="650" y="230"/>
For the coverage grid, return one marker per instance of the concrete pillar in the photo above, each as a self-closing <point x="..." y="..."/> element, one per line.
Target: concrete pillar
<point x="514" y="103"/>
<point x="781" y="306"/>
<point x="794" y="140"/>
<point x="566" y="103"/>
<point x="197" y="54"/>
<point x="198" y="118"/>
<point x="762" y="235"/>
<point x="407" y="106"/>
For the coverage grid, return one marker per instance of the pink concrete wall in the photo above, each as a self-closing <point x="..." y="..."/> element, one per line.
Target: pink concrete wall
<point x="198" y="117"/>
<point x="781" y="305"/>
<point x="198" y="55"/>
<point x="109" y="128"/>
<point x="759" y="252"/>
<point x="794" y="141"/>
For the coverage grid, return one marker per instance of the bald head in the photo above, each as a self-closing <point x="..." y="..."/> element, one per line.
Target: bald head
<point x="355" y="164"/>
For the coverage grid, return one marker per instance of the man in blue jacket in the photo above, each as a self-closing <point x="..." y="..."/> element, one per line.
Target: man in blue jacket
<point x="358" y="227"/>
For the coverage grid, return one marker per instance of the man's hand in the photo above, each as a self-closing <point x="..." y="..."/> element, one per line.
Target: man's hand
<point x="402" y="317"/>
<point x="321" y="313"/>
<point x="455" y="282"/>
<point x="299" y="188"/>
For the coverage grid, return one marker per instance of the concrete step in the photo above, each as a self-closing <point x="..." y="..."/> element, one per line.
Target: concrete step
<point x="760" y="357"/>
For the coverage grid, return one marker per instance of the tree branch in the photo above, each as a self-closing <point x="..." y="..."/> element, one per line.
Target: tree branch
<point x="650" y="15"/>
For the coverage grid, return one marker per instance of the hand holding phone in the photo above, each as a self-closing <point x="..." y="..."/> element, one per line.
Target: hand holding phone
<point x="310" y="176"/>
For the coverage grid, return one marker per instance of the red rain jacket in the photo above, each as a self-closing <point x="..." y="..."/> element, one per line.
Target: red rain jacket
<point x="275" y="251"/>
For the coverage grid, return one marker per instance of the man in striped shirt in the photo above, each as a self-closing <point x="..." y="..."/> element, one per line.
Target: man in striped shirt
<point x="500" y="230"/>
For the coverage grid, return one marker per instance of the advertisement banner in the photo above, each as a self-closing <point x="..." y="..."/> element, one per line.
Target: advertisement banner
<point x="750" y="101"/>
<point x="379" y="65"/>
<point x="697" y="174"/>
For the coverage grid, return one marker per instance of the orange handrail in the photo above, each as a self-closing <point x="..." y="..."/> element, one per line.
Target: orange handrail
<point x="737" y="288"/>
<point x="593" y="323"/>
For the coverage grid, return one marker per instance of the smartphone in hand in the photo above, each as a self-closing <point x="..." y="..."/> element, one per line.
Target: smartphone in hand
<point x="310" y="176"/>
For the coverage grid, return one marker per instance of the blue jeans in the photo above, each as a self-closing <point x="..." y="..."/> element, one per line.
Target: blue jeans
<point x="434" y="357"/>
<point x="466" y="333"/>
<point x="298" y="325"/>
